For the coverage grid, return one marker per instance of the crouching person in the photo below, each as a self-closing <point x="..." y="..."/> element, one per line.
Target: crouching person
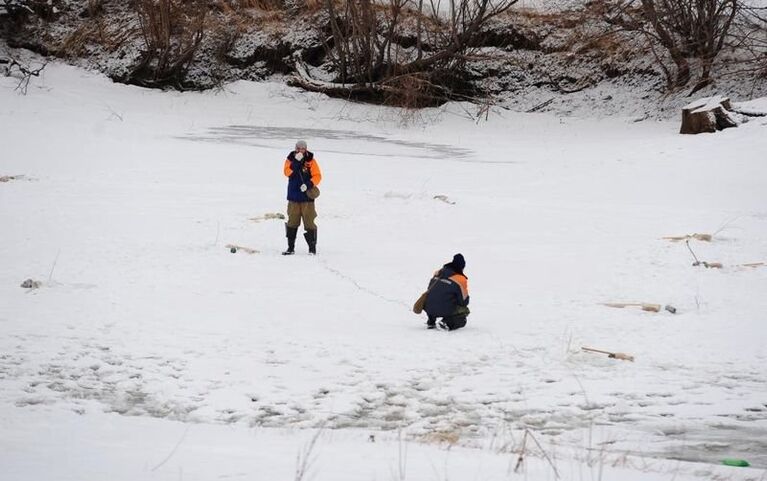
<point x="448" y="296"/>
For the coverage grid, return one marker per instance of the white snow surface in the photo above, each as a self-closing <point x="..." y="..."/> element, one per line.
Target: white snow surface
<point x="754" y="107"/>
<point x="705" y="103"/>
<point x="152" y="352"/>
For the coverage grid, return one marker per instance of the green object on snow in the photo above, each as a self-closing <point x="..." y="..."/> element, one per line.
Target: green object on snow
<point x="735" y="462"/>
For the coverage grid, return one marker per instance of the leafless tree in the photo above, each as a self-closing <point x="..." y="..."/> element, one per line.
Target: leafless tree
<point x="402" y="52"/>
<point x="362" y="35"/>
<point x="750" y="35"/>
<point x="687" y="31"/>
<point x="172" y="31"/>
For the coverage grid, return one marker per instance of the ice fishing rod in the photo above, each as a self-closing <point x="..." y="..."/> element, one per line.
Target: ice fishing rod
<point x="697" y="262"/>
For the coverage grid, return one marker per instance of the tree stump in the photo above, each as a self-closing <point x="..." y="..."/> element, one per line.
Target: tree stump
<point x="707" y="115"/>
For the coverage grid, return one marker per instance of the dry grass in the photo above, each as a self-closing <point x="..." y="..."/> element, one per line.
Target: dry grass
<point x="441" y="437"/>
<point x="564" y="19"/>
<point x="229" y="6"/>
<point x="606" y="44"/>
<point x="172" y="30"/>
<point x="110" y="34"/>
<point x="243" y="18"/>
<point x="314" y="5"/>
<point x="74" y="44"/>
<point x="578" y="31"/>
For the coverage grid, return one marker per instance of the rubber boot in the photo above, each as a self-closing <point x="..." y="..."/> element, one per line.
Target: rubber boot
<point x="290" y="233"/>
<point x="454" y="322"/>
<point x="311" y="240"/>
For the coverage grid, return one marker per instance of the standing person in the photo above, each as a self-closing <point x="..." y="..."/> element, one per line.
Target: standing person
<point x="448" y="296"/>
<point x="303" y="173"/>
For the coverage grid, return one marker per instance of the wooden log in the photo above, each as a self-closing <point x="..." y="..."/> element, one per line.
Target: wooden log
<point x="697" y="123"/>
<point x="707" y="115"/>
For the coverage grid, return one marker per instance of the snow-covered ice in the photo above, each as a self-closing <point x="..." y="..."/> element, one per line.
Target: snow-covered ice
<point x="152" y="352"/>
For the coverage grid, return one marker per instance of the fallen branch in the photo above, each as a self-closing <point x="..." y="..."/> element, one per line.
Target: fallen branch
<point x="700" y="237"/>
<point x="611" y="355"/>
<point x="305" y="81"/>
<point x="708" y="265"/>
<point x="26" y="72"/>
<point x="407" y="90"/>
<point x="645" y="306"/>
<point x="540" y="106"/>
<point x="753" y="264"/>
<point x="268" y="216"/>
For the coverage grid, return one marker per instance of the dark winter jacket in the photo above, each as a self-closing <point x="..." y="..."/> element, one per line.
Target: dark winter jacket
<point x="304" y="171"/>
<point x="448" y="290"/>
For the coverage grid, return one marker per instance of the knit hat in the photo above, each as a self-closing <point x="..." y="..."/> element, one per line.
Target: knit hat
<point x="459" y="262"/>
<point x="301" y="144"/>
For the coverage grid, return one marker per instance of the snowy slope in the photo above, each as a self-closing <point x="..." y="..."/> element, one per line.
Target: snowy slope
<point x="146" y="327"/>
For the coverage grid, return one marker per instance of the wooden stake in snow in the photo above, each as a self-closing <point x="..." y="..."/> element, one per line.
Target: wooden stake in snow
<point x="645" y="306"/>
<point x="708" y="265"/>
<point x="612" y="355"/>
<point x="707" y="115"/>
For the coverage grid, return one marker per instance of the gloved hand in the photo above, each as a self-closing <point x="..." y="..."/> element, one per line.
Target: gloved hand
<point x="303" y="188"/>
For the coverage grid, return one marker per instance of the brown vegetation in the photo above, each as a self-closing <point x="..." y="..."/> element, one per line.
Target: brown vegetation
<point x="685" y="36"/>
<point x="401" y="52"/>
<point x="110" y="35"/>
<point x="171" y="30"/>
<point x="750" y="35"/>
<point x="374" y="61"/>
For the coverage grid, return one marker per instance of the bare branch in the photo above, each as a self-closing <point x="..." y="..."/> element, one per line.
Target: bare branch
<point x="14" y="67"/>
